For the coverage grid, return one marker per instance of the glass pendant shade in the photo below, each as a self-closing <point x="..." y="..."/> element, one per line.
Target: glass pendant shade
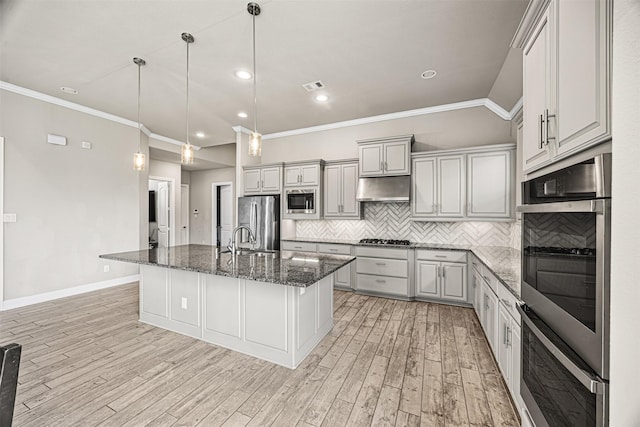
<point x="255" y="144"/>
<point x="138" y="161"/>
<point x="186" y="154"/>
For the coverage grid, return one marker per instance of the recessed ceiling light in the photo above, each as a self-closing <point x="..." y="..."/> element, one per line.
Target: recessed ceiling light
<point x="321" y="98"/>
<point x="200" y="134"/>
<point x="69" y="90"/>
<point x="243" y="74"/>
<point x="242" y="115"/>
<point x="429" y="74"/>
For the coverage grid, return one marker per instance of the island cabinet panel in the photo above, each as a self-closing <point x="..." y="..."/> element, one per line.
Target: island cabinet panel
<point x="266" y="314"/>
<point x="223" y="306"/>
<point x="185" y="299"/>
<point x="154" y="291"/>
<point x="306" y="316"/>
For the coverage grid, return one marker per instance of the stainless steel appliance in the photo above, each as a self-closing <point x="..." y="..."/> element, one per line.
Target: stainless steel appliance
<point x="384" y="242"/>
<point x="301" y="200"/>
<point x="566" y="244"/>
<point x="384" y="189"/>
<point x="261" y="214"/>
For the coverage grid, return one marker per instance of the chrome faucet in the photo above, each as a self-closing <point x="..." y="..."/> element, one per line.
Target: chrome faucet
<point x="232" y="244"/>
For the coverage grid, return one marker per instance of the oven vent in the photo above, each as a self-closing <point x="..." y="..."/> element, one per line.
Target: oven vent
<point x="310" y="87"/>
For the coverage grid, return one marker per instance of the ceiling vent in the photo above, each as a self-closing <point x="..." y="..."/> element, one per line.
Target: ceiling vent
<point x="310" y="87"/>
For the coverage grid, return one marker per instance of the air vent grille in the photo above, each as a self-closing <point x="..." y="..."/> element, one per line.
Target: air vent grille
<point x="310" y="87"/>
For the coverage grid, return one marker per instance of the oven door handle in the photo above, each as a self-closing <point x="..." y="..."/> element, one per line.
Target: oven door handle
<point x="587" y="379"/>
<point x="595" y="206"/>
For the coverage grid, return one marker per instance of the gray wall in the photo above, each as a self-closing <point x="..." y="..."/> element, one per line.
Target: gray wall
<point x="200" y="198"/>
<point x="72" y="204"/>
<point x="625" y="289"/>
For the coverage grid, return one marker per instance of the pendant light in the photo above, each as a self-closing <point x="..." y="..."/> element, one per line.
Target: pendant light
<point x="138" y="158"/>
<point x="187" y="149"/>
<point x="255" y="141"/>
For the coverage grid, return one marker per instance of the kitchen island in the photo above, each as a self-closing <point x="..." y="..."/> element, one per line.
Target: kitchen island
<point x="273" y="305"/>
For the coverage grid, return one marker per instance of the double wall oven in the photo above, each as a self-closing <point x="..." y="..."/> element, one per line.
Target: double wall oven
<point x="566" y="240"/>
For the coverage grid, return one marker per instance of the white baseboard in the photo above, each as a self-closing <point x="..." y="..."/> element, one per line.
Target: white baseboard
<point x="62" y="293"/>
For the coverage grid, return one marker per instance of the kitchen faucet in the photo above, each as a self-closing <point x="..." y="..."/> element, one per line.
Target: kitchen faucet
<point x="232" y="244"/>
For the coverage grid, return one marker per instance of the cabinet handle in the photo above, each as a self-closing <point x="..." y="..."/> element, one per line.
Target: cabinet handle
<point x="262" y="183"/>
<point x="380" y="281"/>
<point x="297" y="247"/>
<point x="541" y="135"/>
<point x="386" y="166"/>
<point x="508" y="337"/>
<point x="506" y="302"/>
<point x="382" y="166"/>
<point x="504" y="338"/>
<point x="440" y="256"/>
<point x="333" y="250"/>
<point x="380" y="264"/>
<point x="444" y="272"/>
<point x="546" y="116"/>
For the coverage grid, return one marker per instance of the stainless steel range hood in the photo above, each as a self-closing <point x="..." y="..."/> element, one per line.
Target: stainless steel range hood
<point x="384" y="189"/>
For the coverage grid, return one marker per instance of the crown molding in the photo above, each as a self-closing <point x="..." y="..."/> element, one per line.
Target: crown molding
<point x="9" y="87"/>
<point x="516" y="109"/>
<point x="242" y="129"/>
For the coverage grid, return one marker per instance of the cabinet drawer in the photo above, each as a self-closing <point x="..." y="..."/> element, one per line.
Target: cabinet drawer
<point x="509" y="301"/>
<point x="491" y="280"/>
<point x="387" y="285"/>
<point x="382" y="267"/>
<point x="477" y="265"/>
<point x="448" y="256"/>
<point x="382" y="252"/>
<point x="298" y="246"/>
<point x="334" y="249"/>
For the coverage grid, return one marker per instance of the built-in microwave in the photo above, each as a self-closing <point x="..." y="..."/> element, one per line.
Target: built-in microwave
<point x="300" y="200"/>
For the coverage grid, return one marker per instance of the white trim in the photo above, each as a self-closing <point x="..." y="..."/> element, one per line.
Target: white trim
<point x="1" y="222"/>
<point x="242" y="129"/>
<point x="172" y="206"/>
<point x="188" y="224"/>
<point x="214" y="208"/>
<point x="87" y="110"/>
<point x="517" y="107"/>
<point x="500" y="112"/>
<point x="62" y="293"/>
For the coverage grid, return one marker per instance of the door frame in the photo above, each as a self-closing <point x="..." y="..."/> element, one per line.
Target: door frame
<point x="182" y="188"/>
<point x="1" y="222"/>
<point x="172" y="206"/>
<point x="214" y="208"/>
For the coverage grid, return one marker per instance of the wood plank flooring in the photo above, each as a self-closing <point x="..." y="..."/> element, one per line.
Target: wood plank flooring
<point x="87" y="361"/>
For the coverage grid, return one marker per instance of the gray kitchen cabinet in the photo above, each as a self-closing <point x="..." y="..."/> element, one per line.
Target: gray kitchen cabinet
<point x="441" y="275"/>
<point x="490" y="186"/>
<point x="385" y="156"/>
<point x="490" y="315"/>
<point x="477" y="293"/>
<point x="509" y="351"/>
<point x="566" y="85"/>
<point x="263" y="179"/>
<point x="342" y="277"/>
<point x="340" y="186"/>
<point x="383" y="271"/>
<point x="438" y="186"/>
<point x="303" y="175"/>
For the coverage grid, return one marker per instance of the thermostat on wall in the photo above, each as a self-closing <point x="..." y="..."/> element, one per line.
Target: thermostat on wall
<point x="56" y="139"/>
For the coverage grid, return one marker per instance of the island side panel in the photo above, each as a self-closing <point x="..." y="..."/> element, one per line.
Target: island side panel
<point x="185" y="305"/>
<point x="223" y="307"/>
<point x="154" y="293"/>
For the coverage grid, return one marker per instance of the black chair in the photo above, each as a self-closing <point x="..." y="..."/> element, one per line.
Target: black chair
<point x="9" y="366"/>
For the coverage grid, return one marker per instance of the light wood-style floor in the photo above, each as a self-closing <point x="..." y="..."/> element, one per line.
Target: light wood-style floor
<point x="88" y="361"/>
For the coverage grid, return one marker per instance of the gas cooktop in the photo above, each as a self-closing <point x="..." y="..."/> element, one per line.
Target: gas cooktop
<point x="560" y="251"/>
<point x="385" y="242"/>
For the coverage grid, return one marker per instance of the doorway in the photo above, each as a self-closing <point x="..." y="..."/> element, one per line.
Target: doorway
<point x="221" y="213"/>
<point x="161" y="219"/>
<point x="184" y="214"/>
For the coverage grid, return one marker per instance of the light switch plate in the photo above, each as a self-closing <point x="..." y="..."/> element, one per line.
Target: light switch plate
<point x="184" y="303"/>
<point x="86" y="145"/>
<point x="9" y="217"/>
<point x="56" y="139"/>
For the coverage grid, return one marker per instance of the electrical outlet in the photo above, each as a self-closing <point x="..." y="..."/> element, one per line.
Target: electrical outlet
<point x="106" y="268"/>
<point x="184" y="303"/>
<point x="86" y="145"/>
<point x="9" y="217"/>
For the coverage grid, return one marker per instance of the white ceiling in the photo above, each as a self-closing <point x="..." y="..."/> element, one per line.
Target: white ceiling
<point x="369" y="54"/>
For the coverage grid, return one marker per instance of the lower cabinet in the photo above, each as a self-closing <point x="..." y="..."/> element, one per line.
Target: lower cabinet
<point x="441" y="275"/>
<point x="383" y="271"/>
<point x="342" y="277"/>
<point x="489" y="317"/>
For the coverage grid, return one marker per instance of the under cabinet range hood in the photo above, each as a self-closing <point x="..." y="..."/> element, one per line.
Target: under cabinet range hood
<point x="384" y="189"/>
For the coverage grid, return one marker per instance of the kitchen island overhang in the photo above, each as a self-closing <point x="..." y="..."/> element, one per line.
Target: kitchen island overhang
<point x="275" y="306"/>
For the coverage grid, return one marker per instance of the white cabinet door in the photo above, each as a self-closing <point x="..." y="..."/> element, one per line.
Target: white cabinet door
<point x="271" y="180"/>
<point x="451" y="185"/>
<point x="582" y="42"/>
<point x="490" y="316"/>
<point x="423" y="187"/>
<point x="428" y="279"/>
<point x="536" y="93"/>
<point x="342" y="277"/>
<point x="489" y="184"/>
<point x="332" y="190"/>
<point x="478" y="298"/>
<point x="310" y="175"/>
<point x="350" y="206"/>
<point x="454" y="281"/>
<point x="371" y="159"/>
<point x="252" y="181"/>
<point x="292" y="176"/>
<point x="396" y="158"/>
<point x="503" y="352"/>
<point x="515" y="341"/>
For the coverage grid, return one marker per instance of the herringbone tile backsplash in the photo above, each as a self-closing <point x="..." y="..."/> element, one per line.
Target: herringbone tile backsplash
<point x="392" y="221"/>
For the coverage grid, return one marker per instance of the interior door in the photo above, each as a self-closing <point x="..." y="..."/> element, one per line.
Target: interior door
<point x="163" y="214"/>
<point x="226" y="214"/>
<point x="184" y="214"/>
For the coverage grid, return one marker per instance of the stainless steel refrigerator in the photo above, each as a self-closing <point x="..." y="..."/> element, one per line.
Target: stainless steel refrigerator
<point x="262" y="215"/>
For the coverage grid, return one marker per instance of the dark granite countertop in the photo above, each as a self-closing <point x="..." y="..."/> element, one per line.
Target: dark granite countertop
<point x="281" y="267"/>
<point x="503" y="261"/>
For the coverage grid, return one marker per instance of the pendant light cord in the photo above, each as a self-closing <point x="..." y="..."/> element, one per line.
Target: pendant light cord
<point x="188" y="93"/>
<point x="255" y="96"/>
<point x="139" y="124"/>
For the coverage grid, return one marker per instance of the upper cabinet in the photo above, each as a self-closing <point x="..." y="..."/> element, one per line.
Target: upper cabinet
<point x="306" y="174"/>
<point x="566" y="87"/>
<point x="474" y="184"/>
<point x="263" y="179"/>
<point x="340" y="185"/>
<point x="385" y="156"/>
